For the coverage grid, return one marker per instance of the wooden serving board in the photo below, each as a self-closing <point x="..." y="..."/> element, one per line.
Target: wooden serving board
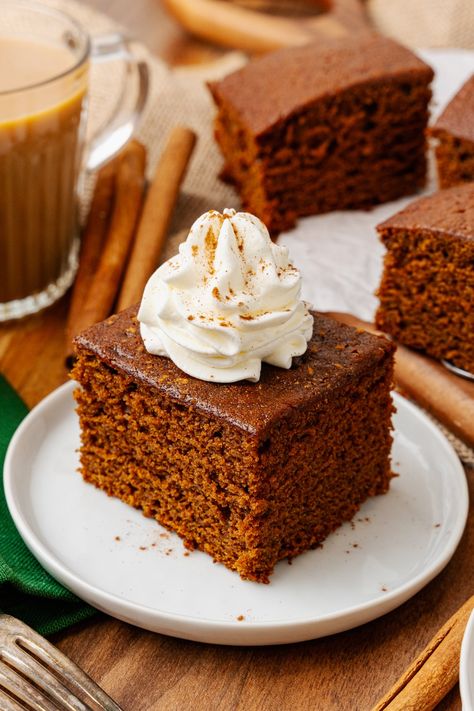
<point x="449" y="397"/>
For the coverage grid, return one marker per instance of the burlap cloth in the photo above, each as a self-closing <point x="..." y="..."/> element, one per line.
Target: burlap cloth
<point x="180" y="96"/>
<point x="425" y="23"/>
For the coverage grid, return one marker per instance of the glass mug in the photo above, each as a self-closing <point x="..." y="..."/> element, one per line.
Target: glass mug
<point x="44" y="66"/>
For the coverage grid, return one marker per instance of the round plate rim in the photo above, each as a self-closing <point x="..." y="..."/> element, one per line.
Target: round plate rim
<point x="238" y="632"/>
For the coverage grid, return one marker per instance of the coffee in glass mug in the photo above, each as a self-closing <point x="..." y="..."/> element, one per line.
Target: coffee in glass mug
<point x="44" y="72"/>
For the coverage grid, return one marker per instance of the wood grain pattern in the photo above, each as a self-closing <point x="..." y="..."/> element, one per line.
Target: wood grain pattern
<point x="150" y="672"/>
<point x="434" y="672"/>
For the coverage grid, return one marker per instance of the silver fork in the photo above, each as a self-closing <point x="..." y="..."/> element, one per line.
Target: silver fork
<point x="37" y="676"/>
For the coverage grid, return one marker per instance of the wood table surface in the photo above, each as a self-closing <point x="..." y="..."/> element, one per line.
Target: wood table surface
<point x="147" y="672"/>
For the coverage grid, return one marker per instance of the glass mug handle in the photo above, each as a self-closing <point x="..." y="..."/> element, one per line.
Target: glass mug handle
<point x="105" y="144"/>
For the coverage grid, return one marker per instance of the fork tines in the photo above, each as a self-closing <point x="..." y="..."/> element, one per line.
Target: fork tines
<point x="36" y="676"/>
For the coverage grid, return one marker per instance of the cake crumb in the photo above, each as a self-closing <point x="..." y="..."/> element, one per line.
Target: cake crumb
<point x="383" y="588"/>
<point x="437" y="525"/>
<point x="117" y="538"/>
<point x="240" y="618"/>
<point x="186" y="554"/>
<point x="143" y="548"/>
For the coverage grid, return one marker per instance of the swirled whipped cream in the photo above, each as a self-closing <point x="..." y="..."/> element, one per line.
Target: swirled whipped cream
<point x="228" y="301"/>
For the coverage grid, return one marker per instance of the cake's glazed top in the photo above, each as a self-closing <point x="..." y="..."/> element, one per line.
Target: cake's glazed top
<point x="336" y="355"/>
<point x="269" y="89"/>
<point x="458" y="116"/>
<point x="228" y="301"/>
<point x="448" y="211"/>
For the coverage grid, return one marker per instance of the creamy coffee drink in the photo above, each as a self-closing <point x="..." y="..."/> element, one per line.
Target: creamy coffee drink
<point x="41" y="101"/>
<point x="44" y="67"/>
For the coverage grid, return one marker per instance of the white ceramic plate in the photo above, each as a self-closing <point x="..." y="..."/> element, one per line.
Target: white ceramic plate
<point x="130" y="567"/>
<point x="466" y="669"/>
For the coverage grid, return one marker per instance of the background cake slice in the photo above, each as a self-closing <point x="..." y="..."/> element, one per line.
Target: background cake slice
<point x="427" y="288"/>
<point x="454" y="131"/>
<point x="325" y="127"/>
<point x="248" y="472"/>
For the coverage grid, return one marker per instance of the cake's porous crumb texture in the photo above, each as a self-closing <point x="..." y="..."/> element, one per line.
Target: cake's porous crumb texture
<point x="454" y="134"/>
<point x="427" y="288"/>
<point x="323" y="127"/>
<point x="249" y="472"/>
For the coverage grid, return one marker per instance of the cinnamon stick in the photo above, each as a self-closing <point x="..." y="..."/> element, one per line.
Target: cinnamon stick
<point x="127" y="205"/>
<point x="434" y="672"/>
<point x="156" y="216"/>
<point x="92" y="242"/>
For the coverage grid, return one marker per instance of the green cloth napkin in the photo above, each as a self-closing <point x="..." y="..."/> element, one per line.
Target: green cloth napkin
<point x="27" y="591"/>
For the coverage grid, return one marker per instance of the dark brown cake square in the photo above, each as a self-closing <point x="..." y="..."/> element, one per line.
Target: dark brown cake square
<point x="248" y="472"/>
<point x="324" y="127"/>
<point x="427" y="288"/>
<point x="454" y="131"/>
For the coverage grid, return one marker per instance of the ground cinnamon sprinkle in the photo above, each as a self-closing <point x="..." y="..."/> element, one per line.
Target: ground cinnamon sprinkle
<point x="210" y="245"/>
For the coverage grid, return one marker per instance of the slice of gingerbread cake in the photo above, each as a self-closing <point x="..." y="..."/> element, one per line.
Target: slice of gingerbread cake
<point x="324" y="127"/>
<point x="427" y="288"/>
<point x="454" y="134"/>
<point x="262" y="460"/>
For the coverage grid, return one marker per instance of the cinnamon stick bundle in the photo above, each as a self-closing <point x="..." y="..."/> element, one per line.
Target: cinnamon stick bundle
<point x="104" y="285"/>
<point x="434" y="672"/>
<point x="92" y="242"/>
<point x="157" y="213"/>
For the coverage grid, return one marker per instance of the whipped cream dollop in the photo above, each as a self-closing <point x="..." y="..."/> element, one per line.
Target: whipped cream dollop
<point x="228" y="301"/>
